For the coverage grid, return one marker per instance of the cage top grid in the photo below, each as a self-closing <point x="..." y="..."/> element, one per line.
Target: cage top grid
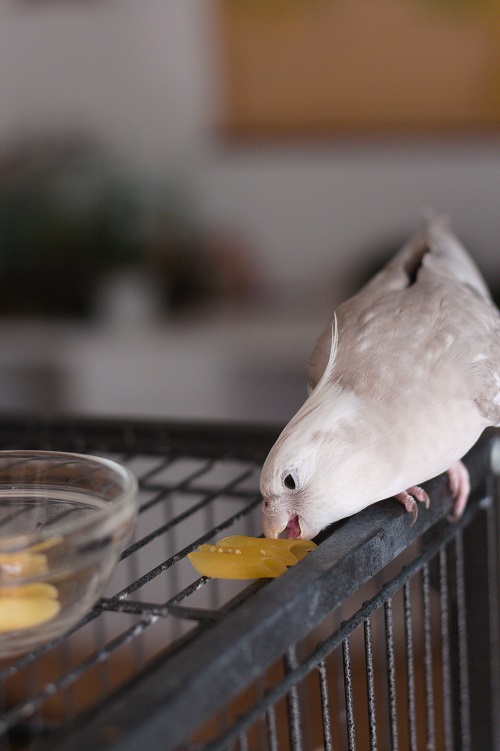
<point x="233" y="640"/>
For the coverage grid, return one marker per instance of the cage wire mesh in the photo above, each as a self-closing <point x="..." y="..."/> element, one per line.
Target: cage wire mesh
<point x="386" y="637"/>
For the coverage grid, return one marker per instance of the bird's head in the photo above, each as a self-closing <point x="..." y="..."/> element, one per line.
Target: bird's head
<point x="305" y="480"/>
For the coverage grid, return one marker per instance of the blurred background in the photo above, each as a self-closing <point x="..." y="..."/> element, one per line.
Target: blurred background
<point x="188" y="188"/>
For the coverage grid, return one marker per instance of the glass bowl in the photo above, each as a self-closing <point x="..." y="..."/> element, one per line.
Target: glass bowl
<point x="64" y="521"/>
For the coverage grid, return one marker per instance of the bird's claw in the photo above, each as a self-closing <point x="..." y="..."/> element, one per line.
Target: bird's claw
<point x="409" y="500"/>
<point x="459" y="480"/>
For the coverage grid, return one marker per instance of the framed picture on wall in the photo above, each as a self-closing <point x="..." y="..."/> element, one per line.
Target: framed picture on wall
<point x="305" y="67"/>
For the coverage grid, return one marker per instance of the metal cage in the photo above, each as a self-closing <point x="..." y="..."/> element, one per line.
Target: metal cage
<point x="385" y="637"/>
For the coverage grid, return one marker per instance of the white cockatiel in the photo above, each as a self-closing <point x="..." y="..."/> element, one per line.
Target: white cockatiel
<point x="404" y="381"/>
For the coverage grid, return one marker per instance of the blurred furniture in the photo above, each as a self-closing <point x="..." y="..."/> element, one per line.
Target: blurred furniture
<point x="221" y="367"/>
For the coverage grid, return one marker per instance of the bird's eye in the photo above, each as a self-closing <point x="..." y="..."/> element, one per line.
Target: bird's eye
<point x="289" y="482"/>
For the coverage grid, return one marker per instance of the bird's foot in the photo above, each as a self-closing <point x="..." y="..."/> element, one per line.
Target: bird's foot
<point x="409" y="500"/>
<point x="459" y="480"/>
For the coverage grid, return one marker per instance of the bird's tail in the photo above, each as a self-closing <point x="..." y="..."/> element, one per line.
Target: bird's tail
<point x="436" y="248"/>
<point x="448" y="257"/>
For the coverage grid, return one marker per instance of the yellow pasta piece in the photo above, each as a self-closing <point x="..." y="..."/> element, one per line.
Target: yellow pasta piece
<point x="234" y="566"/>
<point x="50" y="542"/>
<point x="21" y="564"/>
<point x="37" y="589"/>
<point x="301" y="548"/>
<point x="27" y="606"/>
<point x="289" y="551"/>
<point x="241" y="557"/>
<point x="285" y="556"/>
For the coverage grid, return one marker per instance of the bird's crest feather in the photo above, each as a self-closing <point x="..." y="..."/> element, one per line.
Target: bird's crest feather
<point x="332" y="356"/>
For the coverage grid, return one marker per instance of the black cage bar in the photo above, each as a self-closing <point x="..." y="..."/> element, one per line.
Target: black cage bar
<point x="385" y="637"/>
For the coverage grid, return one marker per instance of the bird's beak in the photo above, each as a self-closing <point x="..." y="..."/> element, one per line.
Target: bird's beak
<point x="306" y="531"/>
<point x="274" y="522"/>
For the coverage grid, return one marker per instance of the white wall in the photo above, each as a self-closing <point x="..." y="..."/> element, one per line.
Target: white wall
<point x="143" y="78"/>
<point x="132" y="74"/>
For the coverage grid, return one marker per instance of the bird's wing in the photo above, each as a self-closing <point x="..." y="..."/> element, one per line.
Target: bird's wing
<point x="435" y="264"/>
<point x="398" y="273"/>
